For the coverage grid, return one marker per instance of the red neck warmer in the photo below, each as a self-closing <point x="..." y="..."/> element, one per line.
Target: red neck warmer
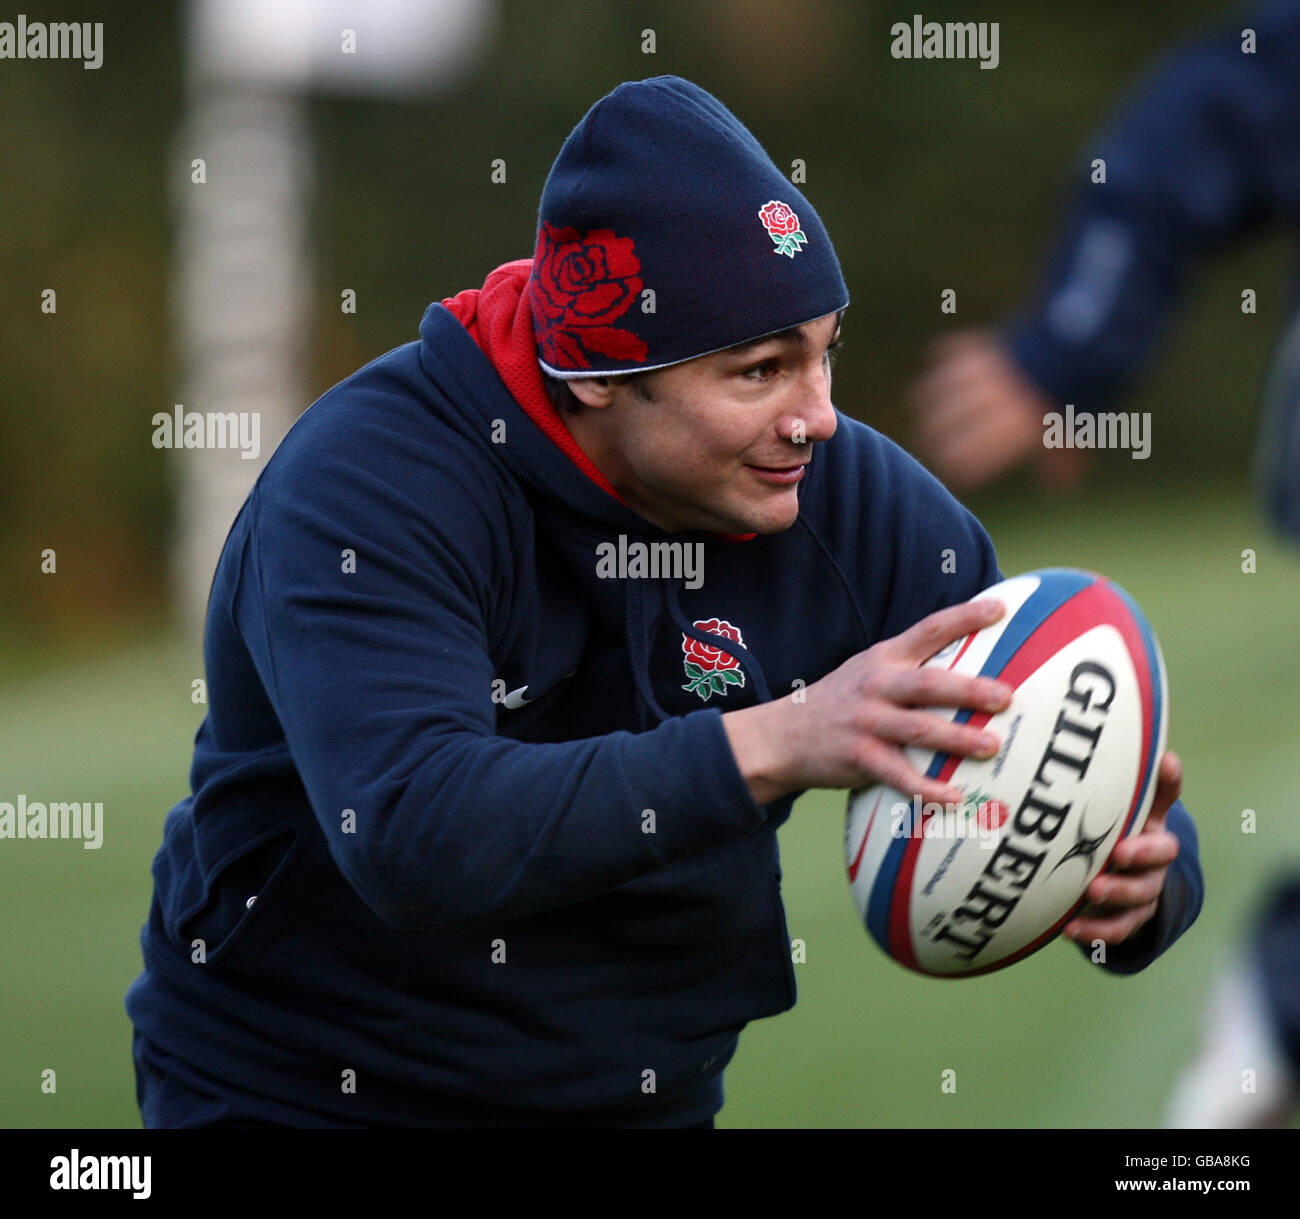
<point x="499" y="319"/>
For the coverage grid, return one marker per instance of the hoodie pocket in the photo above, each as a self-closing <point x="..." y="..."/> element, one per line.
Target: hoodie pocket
<point x="239" y="893"/>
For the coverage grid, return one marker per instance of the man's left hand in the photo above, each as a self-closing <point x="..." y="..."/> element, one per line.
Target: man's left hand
<point x="1124" y="898"/>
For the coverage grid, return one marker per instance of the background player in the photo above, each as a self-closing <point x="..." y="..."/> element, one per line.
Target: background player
<point x="1205" y="152"/>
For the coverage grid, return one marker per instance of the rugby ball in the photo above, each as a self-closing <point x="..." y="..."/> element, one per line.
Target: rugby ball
<point x="958" y="890"/>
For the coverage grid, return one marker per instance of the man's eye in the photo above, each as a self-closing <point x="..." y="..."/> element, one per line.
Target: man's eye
<point x="833" y="352"/>
<point x="758" y="372"/>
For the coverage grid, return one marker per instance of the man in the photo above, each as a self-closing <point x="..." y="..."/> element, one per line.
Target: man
<point x="507" y="704"/>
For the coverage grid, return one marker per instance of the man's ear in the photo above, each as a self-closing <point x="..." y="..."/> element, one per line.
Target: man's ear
<point x="592" y="391"/>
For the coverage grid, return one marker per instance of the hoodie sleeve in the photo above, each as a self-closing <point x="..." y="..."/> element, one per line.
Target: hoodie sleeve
<point x="1206" y="151"/>
<point x="367" y="582"/>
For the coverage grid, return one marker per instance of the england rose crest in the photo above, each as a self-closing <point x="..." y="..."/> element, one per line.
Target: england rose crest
<point x="710" y="669"/>
<point x="581" y="284"/>
<point x="782" y="226"/>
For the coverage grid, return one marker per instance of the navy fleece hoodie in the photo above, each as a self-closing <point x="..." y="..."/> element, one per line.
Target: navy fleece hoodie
<point x="456" y="896"/>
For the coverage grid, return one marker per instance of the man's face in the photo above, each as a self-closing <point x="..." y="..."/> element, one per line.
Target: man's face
<point x="718" y="446"/>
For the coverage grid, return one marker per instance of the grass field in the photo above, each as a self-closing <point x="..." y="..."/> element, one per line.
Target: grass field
<point x="1050" y="1042"/>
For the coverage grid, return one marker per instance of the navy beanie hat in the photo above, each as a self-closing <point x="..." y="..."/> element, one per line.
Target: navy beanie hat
<point x="666" y="232"/>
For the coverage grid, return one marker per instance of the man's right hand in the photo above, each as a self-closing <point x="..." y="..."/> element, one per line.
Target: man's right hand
<point x="850" y="728"/>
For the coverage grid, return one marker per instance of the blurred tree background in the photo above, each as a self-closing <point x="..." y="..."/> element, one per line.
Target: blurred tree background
<point x="929" y="174"/>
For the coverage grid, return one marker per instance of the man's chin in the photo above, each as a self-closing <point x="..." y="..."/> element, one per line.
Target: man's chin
<point x="771" y="519"/>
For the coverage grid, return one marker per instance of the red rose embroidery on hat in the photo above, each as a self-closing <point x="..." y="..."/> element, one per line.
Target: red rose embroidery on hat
<point x="783" y="227"/>
<point x="580" y="284"/>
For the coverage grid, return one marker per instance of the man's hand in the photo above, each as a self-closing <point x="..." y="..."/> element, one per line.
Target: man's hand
<point x="978" y="417"/>
<point x="850" y="728"/>
<point x="1125" y="899"/>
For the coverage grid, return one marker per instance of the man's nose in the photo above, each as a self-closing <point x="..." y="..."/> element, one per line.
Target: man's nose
<point x="814" y="421"/>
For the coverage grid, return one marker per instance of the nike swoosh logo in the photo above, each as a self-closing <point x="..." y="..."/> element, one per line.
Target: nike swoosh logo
<point x="515" y="699"/>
